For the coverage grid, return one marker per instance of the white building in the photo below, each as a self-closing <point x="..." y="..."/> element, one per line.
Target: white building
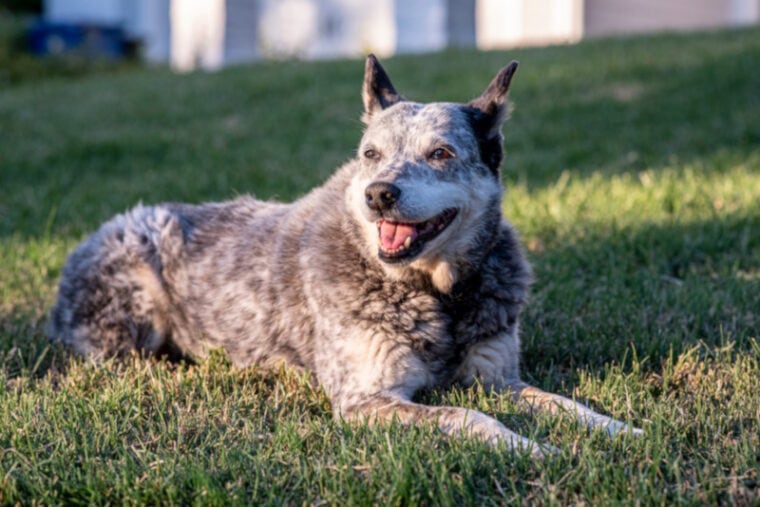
<point x="211" y="33"/>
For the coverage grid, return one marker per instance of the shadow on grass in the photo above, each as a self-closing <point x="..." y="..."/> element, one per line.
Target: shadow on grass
<point x="646" y="292"/>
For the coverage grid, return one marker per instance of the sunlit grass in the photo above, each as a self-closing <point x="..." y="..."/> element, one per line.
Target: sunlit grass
<point x="633" y="175"/>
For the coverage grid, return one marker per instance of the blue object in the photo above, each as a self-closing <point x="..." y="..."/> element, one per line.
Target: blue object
<point x="92" y="41"/>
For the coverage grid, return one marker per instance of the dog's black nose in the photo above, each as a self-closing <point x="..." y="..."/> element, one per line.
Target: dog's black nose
<point x="381" y="196"/>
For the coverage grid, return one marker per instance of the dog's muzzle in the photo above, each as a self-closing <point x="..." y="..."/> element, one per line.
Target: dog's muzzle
<point x="399" y="240"/>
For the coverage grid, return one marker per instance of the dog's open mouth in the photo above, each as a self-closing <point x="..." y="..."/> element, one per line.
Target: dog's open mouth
<point x="399" y="241"/>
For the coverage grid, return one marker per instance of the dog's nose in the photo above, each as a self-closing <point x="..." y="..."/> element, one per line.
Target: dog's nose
<point x="381" y="196"/>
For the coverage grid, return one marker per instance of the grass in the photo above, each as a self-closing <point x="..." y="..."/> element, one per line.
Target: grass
<point x="633" y="174"/>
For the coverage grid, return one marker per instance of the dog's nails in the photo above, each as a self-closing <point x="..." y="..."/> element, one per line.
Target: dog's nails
<point x="543" y="451"/>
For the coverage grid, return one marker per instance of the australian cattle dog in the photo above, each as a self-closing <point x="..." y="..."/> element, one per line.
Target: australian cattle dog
<point x="399" y="273"/>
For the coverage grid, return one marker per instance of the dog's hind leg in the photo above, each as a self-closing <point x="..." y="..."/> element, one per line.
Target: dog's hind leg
<point x="533" y="398"/>
<point x="454" y="421"/>
<point x="111" y="298"/>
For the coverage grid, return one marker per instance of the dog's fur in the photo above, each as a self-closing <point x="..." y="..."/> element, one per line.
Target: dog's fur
<point x="330" y="283"/>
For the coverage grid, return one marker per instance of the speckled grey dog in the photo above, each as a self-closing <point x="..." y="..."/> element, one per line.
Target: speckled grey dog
<point x="398" y="274"/>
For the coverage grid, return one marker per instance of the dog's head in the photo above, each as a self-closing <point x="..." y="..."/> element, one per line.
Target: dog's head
<point x="427" y="187"/>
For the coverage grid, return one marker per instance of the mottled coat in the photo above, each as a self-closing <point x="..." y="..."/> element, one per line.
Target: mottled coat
<point x="399" y="273"/>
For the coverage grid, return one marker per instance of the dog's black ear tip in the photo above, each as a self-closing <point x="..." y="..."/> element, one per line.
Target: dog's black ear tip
<point x="510" y="69"/>
<point x="506" y="74"/>
<point x="372" y="66"/>
<point x="372" y="60"/>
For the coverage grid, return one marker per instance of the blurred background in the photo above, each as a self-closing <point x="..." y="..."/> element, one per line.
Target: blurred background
<point x="209" y="34"/>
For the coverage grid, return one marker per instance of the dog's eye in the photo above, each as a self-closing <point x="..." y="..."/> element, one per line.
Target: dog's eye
<point x="442" y="153"/>
<point x="371" y="154"/>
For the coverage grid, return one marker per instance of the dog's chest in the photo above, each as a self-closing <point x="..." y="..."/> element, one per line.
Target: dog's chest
<point x="479" y="311"/>
<point x="438" y="329"/>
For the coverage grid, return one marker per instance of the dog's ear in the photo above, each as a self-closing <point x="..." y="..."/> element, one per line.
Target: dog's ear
<point x="377" y="91"/>
<point x="493" y="101"/>
<point x="487" y="114"/>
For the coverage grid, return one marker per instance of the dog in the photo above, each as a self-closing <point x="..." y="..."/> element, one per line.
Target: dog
<point x="397" y="274"/>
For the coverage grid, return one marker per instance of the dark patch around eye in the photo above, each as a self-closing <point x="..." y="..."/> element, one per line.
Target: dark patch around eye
<point x="442" y="153"/>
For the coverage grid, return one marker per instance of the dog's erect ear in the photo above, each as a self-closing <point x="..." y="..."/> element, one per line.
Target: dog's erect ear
<point x="377" y="91"/>
<point x="493" y="101"/>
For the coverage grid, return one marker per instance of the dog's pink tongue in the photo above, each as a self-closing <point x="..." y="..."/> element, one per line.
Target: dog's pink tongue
<point x="393" y="235"/>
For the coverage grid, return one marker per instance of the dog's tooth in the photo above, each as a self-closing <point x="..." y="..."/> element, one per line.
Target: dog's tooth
<point x="408" y="242"/>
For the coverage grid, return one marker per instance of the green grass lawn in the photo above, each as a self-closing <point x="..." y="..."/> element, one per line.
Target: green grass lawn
<point x="633" y="174"/>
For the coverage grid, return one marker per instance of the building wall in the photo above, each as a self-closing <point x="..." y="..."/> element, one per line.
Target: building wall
<point x="241" y="31"/>
<point x="155" y="30"/>
<point x="460" y="23"/>
<point x="420" y="25"/>
<point x="610" y="17"/>
<point x="211" y="33"/>
<point x="105" y="12"/>
<point x="335" y="28"/>
<point x="508" y="23"/>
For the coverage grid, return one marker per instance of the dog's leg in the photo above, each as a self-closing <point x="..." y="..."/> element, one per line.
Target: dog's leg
<point x="455" y="421"/>
<point x="494" y="364"/>
<point x="533" y="398"/>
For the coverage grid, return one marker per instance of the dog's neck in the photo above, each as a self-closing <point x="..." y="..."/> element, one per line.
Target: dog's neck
<point x="459" y="272"/>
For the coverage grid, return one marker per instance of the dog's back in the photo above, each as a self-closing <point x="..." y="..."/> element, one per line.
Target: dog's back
<point x="184" y="279"/>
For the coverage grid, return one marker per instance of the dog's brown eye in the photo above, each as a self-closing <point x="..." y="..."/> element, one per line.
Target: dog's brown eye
<point x="442" y="154"/>
<point x="371" y="154"/>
